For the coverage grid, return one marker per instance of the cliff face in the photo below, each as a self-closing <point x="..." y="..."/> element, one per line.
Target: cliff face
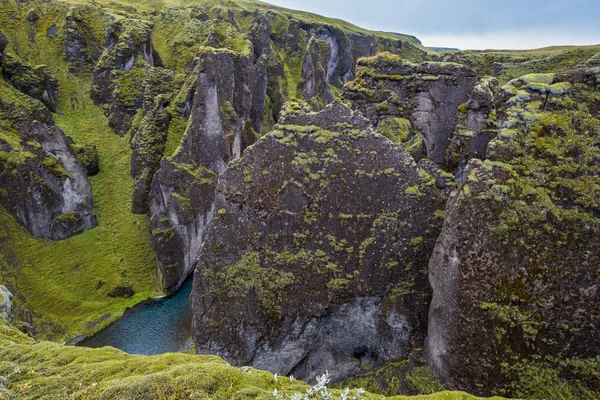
<point x="317" y="229"/>
<point x="516" y="264"/>
<point x="42" y="182"/>
<point x="321" y="206"/>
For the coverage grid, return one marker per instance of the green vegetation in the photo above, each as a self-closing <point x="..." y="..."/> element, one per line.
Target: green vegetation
<point x="511" y="64"/>
<point x="61" y="287"/>
<point x="80" y="373"/>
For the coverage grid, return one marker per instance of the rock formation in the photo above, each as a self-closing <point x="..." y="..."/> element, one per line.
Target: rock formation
<point x="42" y="183"/>
<point x="121" y="70"/>
<point x="516" y="266"/>
<point x="427" y="95"/>
<point x="316" y="255"/>
<point x="219" y="129"/>
<point x="5" y="304"/>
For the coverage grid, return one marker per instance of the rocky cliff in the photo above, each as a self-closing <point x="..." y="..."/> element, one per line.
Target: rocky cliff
<point x="517" y="262"/>
<point x="327" y="183"/>
<point x="42" y="182"/>
<point x="323" y="207"/>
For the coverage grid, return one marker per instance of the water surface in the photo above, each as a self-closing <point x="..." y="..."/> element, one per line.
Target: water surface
<point x="155" y="327"/>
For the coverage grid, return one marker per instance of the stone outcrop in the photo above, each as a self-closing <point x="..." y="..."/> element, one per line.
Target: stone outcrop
<point x="5" y="303"/>
<point x="42" y="183"/>
<point x="218" y="131"/>
<point x="428" y="95"/>
<point x="121" y="71"/>
<point x="516" y="266"/>
<point x="34" y="81"/>
<point x="316" y="255"/>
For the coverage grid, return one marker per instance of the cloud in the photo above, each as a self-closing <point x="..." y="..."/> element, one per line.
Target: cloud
<point x="514" y="40"/>
<point x="468" y="23"/>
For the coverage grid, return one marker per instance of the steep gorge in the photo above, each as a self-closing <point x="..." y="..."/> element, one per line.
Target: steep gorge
<point x="321" y="179"/>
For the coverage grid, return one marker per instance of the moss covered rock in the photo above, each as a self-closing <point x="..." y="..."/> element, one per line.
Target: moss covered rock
<point x="316" y="257"/>
<point x="428" y="95"/>
<point x="42" y="183"/>
<point x="516" y="265"/>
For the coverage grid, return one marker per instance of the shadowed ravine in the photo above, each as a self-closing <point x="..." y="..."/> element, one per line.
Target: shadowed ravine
<point x="155" y="327"/>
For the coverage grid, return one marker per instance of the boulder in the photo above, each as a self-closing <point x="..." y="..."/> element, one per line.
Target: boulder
<point x="515" y="269"/>
<point x="316" y="257"/>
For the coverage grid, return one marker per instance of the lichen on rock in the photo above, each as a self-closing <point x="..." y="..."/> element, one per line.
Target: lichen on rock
<point x="318" y="209"/>
<point x="516" y="265"/>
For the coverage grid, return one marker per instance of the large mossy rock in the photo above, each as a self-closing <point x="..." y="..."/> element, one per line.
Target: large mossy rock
<point x="42" y="182"/>
<point x="317" y="256"/>
<point x="515" y="272"/>
<point x="413" y="104"/>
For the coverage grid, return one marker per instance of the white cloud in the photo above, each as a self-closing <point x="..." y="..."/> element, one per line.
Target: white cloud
<point x="507" y="40"/>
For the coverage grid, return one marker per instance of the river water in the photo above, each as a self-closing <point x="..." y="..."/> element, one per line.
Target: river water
<point x="155" y="327"/>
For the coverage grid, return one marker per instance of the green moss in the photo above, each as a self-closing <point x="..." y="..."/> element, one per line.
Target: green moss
<point x="413" y="190"/>
<point x="395" y="129"/>
<point x="58" y="371"/>
<point x="51" y="280"/>
<point x="416" y="241"/>
<point x="247" y="275"/>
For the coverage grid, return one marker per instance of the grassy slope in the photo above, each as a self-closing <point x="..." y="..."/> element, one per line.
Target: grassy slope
<point x="53" y="371"/>
<point x="55" y="283"/>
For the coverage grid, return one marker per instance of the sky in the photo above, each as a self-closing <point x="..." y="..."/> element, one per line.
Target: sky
<point x="470" y="24"/>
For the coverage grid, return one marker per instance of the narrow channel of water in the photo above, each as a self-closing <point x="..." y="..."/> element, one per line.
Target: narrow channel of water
<point x="155" y="327"/>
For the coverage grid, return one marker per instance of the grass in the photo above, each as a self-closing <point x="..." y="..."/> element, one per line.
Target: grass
<point x="54" y="371"/>
<point x="61" y="287"/>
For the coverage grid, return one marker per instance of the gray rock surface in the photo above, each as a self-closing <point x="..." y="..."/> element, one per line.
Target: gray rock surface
<point x="5" y="307"/>
<point x="314" y="259"/>
<point x="428" y="95"/>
